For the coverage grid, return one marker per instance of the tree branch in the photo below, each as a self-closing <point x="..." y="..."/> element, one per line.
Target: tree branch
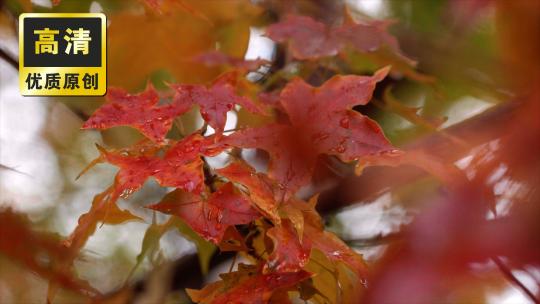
<point x="376" y="240"/>
<point x="510" y="277"/>
<point x="9" y="59"/>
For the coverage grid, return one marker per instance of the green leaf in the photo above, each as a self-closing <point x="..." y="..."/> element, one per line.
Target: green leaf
<point x="150" y="242"/>
<point x="205" y="249"/>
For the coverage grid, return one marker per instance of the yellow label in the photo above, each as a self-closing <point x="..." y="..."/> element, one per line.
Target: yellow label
<point x="62" y="54"/>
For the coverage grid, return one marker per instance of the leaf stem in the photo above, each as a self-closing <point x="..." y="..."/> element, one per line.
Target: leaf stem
<point x="510" y="277"/>
<point x="9" y="59"/>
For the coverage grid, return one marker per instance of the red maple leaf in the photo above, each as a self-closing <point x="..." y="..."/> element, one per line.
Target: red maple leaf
<point x="140" y="111"/>
<point x="212" y="217"/>
<point x="326" y="242"/>
<point x="259" y="288"/>
<point x="310" y="39"/>
<point x="292" y="253"/>
<point x="249" y="285"/>
<point x="216" y="100"/>
<point x="289" y="253"/>
<point x="180" y="166"/>
<point x="371" y="36"/>
<point x="321" y="122"/>
<point x="336" y="250"/>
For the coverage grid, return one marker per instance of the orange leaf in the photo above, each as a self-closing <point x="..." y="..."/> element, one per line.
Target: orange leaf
<point x="260" y="188"/>
<point x="247" y="285"/>
<point x="103" y="210"/>
<point x="289" y="254"/>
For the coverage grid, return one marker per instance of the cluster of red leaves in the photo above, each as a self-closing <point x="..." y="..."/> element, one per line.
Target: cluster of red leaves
<point x="215" y="203"/>
<point x="320" y="121"/>
<point x="285" y="232"/>
<point x="143" y="112"/>
<point x="310" y="39"/>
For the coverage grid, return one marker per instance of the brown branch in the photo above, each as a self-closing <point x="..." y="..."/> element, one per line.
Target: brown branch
<point x="510" y="277"/>
<point x="9" y="59"/>
<point x="376" y="240"/>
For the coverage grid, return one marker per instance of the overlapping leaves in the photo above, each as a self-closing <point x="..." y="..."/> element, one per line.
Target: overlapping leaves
<point x="212" y="217"/>
<point x="321" y="121"/>
<point x="302" y="230"/>
<point x="249" y="285"/>
<point x="280" y="233"/>
<point x="311" y="39"/>
<point x="181" y="165"/>
<point x="142" y="111"/>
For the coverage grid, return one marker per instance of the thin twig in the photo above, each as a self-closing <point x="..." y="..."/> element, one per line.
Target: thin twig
<point x="3" y="167"/>
<point x="9" y="59"/>
<point x="376" y="240"/>
<point x="510" y="276"/>
<point x="209" y="177"/>
<point x="233" y="263"/>
<point x="179" y="124"/>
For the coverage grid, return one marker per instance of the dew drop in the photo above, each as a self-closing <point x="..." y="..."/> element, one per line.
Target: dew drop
<point x="320" y="136"/>
<point x="364" y="282"/>
<point x="336" y="254"/>
<point x="344" y="122"/>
